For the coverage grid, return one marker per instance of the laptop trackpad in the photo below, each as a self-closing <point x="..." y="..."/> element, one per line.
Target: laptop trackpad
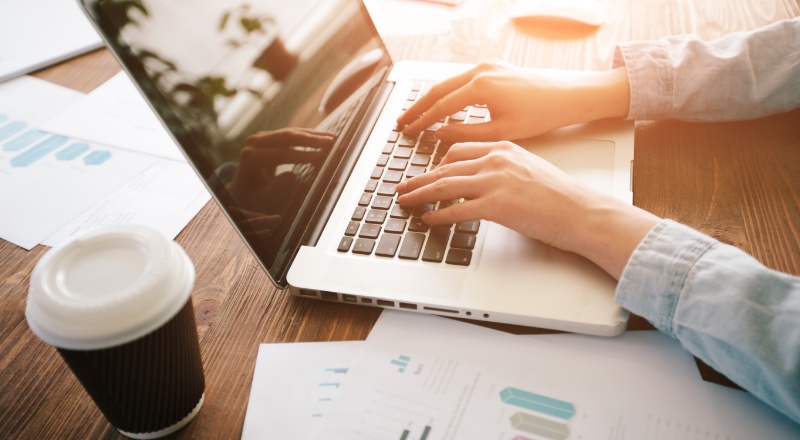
<point x="589" y="160"/>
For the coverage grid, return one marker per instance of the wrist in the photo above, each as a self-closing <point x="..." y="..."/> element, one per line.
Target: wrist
<point x="605" y="95"/>
<point x="610" y="231"/>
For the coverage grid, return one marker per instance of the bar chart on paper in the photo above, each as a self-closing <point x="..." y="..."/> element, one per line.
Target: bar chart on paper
<point x="50" y="179"/>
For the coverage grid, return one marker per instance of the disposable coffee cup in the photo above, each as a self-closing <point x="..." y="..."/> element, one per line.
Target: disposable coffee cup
<point x="116" y="303"/>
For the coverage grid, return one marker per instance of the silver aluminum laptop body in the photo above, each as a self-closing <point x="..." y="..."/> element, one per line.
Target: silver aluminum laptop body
<point x="284" y="112"/>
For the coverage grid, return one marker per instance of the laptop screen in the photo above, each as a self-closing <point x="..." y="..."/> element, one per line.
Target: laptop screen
<point x="262" y="95"/>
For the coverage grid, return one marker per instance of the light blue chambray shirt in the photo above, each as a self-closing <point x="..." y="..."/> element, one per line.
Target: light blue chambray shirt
<point x="723" y="306"/>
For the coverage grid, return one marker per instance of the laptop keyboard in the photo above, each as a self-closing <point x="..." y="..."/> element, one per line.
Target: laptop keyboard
<point x="382" y="227"/>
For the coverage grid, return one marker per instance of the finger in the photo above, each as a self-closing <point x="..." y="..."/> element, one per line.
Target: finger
<point x="465" y="211"/>
<point x="445" y="106"/>
<point x="447" y="188"/>
<point x="466" y="151"/>
<point x="480" y="132"/>
<point x="437" y="92"/>
<point x="465" y="168"/>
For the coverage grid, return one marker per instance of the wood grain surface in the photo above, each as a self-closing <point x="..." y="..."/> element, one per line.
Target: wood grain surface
<point x="735" y="181"/>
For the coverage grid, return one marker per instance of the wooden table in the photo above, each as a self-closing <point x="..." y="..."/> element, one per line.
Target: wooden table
<point x="739" y="182"/>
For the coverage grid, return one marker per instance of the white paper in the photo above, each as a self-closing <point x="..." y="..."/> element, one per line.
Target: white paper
<point x="293" y="387"/>
<point x="164" y="197"/>
<point x="424" y="377"/>
<point x="46" y="180"/>
<point x="116" y="114"/>
<point x="38" y="33"/>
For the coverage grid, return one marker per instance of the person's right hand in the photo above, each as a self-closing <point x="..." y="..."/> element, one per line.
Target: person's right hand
<point x="522" y="102"/>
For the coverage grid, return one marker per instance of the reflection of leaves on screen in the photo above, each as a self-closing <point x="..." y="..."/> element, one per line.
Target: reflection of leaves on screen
<point x="124" y="12"/>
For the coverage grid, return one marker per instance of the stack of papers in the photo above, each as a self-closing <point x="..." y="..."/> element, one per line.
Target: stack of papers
<point x="55" y="184"/>
<point x="39" y="33"/>
<point x="424" y="377"/>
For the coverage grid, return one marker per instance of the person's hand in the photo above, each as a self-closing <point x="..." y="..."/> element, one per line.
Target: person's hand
<point x="256" y="226"/>
<point x="522" y="102"/>
<point x="506" y="184"/>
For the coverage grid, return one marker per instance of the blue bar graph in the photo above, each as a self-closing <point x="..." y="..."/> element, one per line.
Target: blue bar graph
<point x="96" y="157"/>
<point x="538" y="403"/>
<point x="402" y="362"/>
<point x="72" y="151"/>
<point x="39" y="151"/>
<point x="337" y="370"/>
<point x="330" y="384"/>
<point x="11" y="129"/>
<point x="24" y="140"/>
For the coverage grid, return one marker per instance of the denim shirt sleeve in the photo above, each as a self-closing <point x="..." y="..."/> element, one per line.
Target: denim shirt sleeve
<point x="744" y="75"/>
<point x="723" y="306"/>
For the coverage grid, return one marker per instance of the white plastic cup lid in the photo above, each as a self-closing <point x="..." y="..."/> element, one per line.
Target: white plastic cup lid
<point x="108" y="287"/>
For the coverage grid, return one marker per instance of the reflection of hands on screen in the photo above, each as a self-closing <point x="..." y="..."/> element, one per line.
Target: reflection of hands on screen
<point x="259" y="226"/>
<point x="266" y="173"/>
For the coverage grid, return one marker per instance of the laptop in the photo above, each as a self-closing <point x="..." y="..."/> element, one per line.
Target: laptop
<point x="286" y="110"/>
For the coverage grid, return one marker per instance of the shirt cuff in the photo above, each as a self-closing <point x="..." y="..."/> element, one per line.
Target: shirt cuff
<point x="652" y="281"/>
<point x="651" y="75"/>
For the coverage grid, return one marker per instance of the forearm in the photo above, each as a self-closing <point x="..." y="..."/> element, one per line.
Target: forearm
<point x="723" y="306"/>
<point x="740" y="76"/>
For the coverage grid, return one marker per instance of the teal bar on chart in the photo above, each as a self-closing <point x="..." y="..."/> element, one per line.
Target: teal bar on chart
<point x="337" y="370"/>
<point x="404" y="436"/>
<point x="10" y="129"/>
<point x="539" y="427"/>
<point x="40" y="150"/>
<point x="97" y="157"/>
<point x="72" y="151"/>
<point x="330" y="384"/>
<point x="24" y="140"/>
<point x="538" y="403"/>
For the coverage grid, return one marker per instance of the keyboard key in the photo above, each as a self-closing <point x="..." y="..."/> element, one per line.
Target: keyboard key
<point x="358" y="214"/>
<point x="421" y="160"/>
<point x="426" y="148"/>
<point x="388" y="244"/>
<point x="403" y="152"/>
<point x="371" y="185"/>
<point x="375" y="216"/>
<point x="472" y="120"/>
<point x="352" y="228"/>
<point x="383" y="160"/>
<point x="393" y="176"/>
<point x="382" y="202"/>
<point x="393" y="136"/>
<point x="428" y="137"/>
<point x="416" y="87"/>
<point x="422" y="209"/>
<point x="460" y="116"/>
<point x="469" y="227"/>
<point x="387" y="189"/>
<point x="407" y="141"/>
<point x="479" y="112"/>
<point x="344" y="245"/>
<point x="387" y="149"/>
<point x="435" y="126"/>
<point x="369" y="231"/>
<point x="417" y="225"/>
<point x="364" y="246"/>
<point x="365" y="199"/>
<point x="400" y="212"/>
<point x="412" y="246"/>
<point x="437" y="244"/>
<point x="414" y="171"/>
<point x="395" y="226"/>
<point x="448" y="203"/>
<point x="376" y="173"/>
<point x="412" y="96"/>
<point x="459" y="257"/>
<point x="398" y="164"/>
<point x="463" y="241"/>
